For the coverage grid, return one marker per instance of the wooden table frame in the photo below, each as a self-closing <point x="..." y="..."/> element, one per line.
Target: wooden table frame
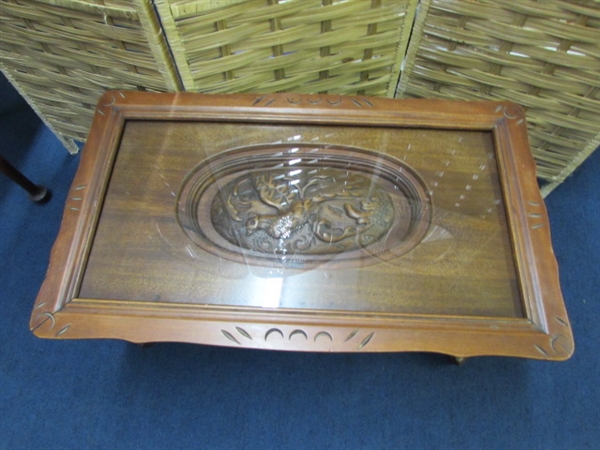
<point x="544" y="332"/>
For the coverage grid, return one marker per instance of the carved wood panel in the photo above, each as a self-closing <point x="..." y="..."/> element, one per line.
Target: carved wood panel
<point x="302" y="204"/>
<point x="196" y="219"/>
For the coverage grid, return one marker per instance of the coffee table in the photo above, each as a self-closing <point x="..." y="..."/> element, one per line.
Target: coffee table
<point x="307" y="223"/>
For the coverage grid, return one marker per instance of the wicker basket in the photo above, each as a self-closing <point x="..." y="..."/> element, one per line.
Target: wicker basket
<point x="63" y="54"/>
<point x="543" y="55"/>
<point x="305" y="46"/>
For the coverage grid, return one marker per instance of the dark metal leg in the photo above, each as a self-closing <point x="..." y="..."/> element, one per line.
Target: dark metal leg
<point x="36" y="193"/>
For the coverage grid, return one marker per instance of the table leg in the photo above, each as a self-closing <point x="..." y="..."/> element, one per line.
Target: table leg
<point x="36" y="193"/>
<point x="458" y="360"/>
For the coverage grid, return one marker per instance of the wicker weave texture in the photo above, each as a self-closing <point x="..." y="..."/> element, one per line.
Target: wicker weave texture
<point x="305" y="46"/>
<point x="63" y="54"/>
<point x="543" y="55"/>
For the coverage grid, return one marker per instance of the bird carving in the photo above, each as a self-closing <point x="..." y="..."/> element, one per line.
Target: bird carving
<point x="327" y="205"/>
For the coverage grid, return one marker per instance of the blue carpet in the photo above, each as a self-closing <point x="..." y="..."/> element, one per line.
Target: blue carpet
<point x="114" y="395"/>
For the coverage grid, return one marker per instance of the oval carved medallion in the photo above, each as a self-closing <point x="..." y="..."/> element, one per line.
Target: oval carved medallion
<point x="304" y="204"/>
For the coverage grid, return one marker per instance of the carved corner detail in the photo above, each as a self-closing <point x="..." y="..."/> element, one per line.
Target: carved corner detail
<point x="47" y="317"/>
<point x="558" y="344"/>
<point x="42" y="318"/>
<point x="511" y="112"/>
<point x="109" y="100"/>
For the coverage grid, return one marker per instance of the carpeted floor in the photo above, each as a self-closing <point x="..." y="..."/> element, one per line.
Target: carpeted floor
<point x="114" y="395"/>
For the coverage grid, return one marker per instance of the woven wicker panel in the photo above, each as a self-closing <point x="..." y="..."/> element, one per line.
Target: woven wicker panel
<point x="543" y="55"/>
<point x="63" y="54"/>
<point x="307" y="46"/>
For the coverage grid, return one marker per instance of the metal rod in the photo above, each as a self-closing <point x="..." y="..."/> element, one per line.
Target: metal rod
<point x="36" y="193"/>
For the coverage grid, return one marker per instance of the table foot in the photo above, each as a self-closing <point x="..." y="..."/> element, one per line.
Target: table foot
<point x="40" y="195"/>
<point x="146" y="344"/>
<point x="458" y="360"/>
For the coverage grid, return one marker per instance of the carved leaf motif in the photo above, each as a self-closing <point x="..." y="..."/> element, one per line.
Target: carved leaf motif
<point x="351" y="335"/>
<point x="63" y="330"/>
<point x="304" y="208"/>
<point x="541" y="350"/>
<point x="561" y="321"/>
<point x="230" y="336"/>
<point x="366" y="340"/>
<point x="360" y="102"/>
<point x="76" y="197"/>
<point x="307" y="212"/>
<point x="243" y="333"/>
<point x="274" y="190"/>
<point x="296" y="335"/>
<point x="536" y="217"/>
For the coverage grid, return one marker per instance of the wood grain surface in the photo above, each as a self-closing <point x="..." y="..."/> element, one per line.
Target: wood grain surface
<point x="157" y="245"/>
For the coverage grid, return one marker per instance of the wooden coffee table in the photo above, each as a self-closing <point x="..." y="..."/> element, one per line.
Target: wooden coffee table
<point x="309" y="223"/>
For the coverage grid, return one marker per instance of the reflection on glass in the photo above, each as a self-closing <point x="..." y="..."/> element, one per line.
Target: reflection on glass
<point x="377" y="220"/>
